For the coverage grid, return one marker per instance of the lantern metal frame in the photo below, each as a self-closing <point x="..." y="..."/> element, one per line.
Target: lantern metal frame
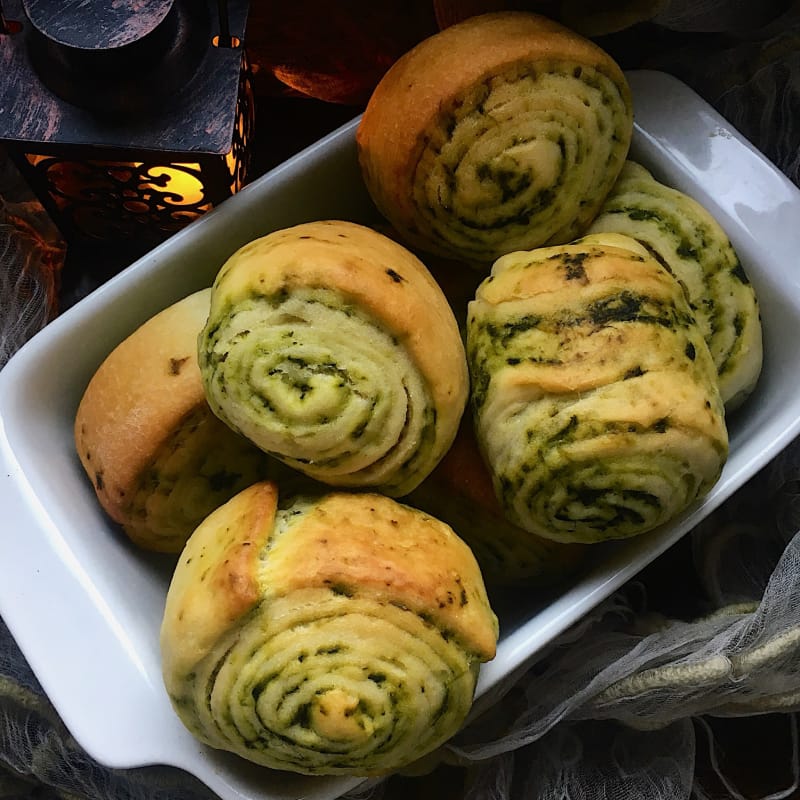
<point x="109" y="171"/>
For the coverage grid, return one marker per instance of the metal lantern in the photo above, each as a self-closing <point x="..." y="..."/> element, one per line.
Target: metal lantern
<point x="127" y="119"/>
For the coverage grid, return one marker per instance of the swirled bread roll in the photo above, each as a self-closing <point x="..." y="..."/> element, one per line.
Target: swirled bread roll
<point x="687" y="239"/>
<point x="460" y="492"/>
<point x="595" y="395"/>
<point x="504" y="132"/>
<point x="333" y="348"/>
<point x="158" y="459"/>
<point x="332" y="635"/>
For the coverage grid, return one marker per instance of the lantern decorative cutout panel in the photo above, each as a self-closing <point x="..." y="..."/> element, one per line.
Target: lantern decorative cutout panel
<point x="128" y="119"/>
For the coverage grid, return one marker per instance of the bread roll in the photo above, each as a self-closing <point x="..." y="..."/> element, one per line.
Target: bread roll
<point x="504" y="132"/>
<point x="687" y="239"/>
<point x="595" y="394"/>
<point x="331" y="635"/>
<point x="333" y="348"/>
<point x="158" y="459"/>
<point x="460" y="492"/>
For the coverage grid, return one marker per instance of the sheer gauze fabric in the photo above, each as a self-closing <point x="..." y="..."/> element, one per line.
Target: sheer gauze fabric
<point x="619" y="707"/>
<point x="625" y="713"/>
<point x="31" y="256"/>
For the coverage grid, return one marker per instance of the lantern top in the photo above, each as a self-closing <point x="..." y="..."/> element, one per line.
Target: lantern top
<point x="94" y="26"/>
<point x="73" y="104"/>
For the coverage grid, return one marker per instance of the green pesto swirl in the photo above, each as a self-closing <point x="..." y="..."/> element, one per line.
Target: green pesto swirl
<point x="686" y="239"/>
<point x="522" y="160"/>
<point x="339" y="686"/>
<point x="589" y="481"/>
<point x="316" y="382"/>
<point x="595" y="399"/>
<point x="200" y="466"/>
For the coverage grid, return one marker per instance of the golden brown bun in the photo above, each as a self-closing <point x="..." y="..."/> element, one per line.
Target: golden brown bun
<point x="500" y="133"/>
<point x="596" y="399"/>
<point x="157" y="457"/>
<point x="335" y="634"/>
<point x="333" y="348"/>
<point x="457" y="279"/>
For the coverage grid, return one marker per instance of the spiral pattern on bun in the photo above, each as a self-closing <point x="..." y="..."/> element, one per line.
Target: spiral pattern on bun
<point x="331" y="635"/>
<point x="595" y="394"/>
<point x="158" y="458"/>
<point x="501" y="133"/>
<point x="686" y="238"/>
<point x="332" y="348"/>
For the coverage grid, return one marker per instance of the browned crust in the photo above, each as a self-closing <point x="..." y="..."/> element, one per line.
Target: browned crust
<point x="409" y="99"/>
<point x="216" y="582"/>
<point x="361" y="544"/>
<point x="374" y="546"/>
<point x="142" y="391"/>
